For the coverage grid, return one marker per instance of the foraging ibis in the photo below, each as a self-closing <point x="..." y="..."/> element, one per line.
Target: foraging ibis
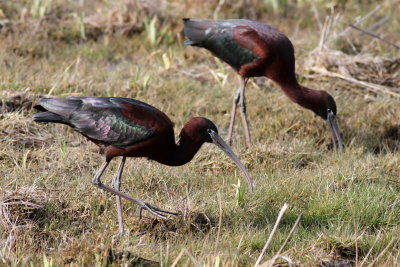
<point x="256" y="49"/>
<point x="129" y="128"/>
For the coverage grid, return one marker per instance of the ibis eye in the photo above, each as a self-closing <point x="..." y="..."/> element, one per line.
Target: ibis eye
<point x="209" y="131"/>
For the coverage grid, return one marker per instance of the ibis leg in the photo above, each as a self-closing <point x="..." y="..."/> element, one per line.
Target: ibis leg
<point x="117" y="186"/>
<point x="242" y="104"/>
<point x="235" y="102"/>
<point x="150" y="208"/>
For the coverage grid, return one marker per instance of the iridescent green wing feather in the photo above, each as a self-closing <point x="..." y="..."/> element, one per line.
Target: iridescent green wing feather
<point x="100" y="118"/>
<point x="218" y="37"/>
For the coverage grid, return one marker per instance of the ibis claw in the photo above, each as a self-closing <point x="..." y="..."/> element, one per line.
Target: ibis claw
<point x="155" y="211"/>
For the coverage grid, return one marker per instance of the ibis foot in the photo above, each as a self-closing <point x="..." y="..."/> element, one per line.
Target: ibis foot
<point x="117" y="236"/>
<point x="155" y="211"/>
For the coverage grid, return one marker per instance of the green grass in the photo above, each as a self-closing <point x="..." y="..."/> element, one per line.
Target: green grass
<point x="349" y="201"/>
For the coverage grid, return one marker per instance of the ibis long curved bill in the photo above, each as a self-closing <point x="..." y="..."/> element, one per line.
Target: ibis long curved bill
<point x="219" y="142"/>
<point x="335" y="131"/>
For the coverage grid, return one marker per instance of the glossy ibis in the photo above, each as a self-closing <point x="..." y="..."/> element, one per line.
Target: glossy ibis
<point x="130" y="128"/>
<point x="256" y="49"/>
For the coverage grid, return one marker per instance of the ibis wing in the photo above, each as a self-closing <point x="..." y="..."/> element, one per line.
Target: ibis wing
<point x="252" y="40"/>
<point x="110" y="126"/>
<point x="223" y="44"/>
<point x="102" y="119"/>
<point x="224" y="40"/>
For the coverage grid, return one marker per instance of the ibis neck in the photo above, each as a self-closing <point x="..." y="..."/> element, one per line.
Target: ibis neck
<point x="305" y="97"/>
<point x="183" y="152"/>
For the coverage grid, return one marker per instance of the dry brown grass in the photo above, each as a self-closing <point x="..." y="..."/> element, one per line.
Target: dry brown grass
<point x="365" y="72"/>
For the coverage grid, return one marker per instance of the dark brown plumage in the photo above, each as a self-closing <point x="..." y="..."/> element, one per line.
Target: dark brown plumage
<point x="130" y="128"/>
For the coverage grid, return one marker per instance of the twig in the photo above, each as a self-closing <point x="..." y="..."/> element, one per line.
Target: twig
<point x="238" y="247"/>
<point x="184" y="250"/>
<point x="218" y="8"/>
<point x="373" y="35"/>
<point x="316" y="14"/>
<point x="355" y="230"/>
<point x="377" y="24"/>
<point x="326" y="30"/>
<point x="350" y="43"/>
<point x="219" y="220"/>
<point x="286" y="258"/>
<point x="393" y="181"/>
<point x="283" y="209"/>
<point x="382" y="252"/>
<point x="370" y="250"/>
<point x="177" y="258"/>
<point x="370" y="86"/>
<point x="323" y="33"/>
<point x="194" y="75"/>
<point x="196" y="263"/>
<point x="356" y="22"/>
<point x="278" y="254"/>
<point x="290" y="234"/>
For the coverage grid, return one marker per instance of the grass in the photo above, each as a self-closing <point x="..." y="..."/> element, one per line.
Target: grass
<point x="349" y="201"/>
